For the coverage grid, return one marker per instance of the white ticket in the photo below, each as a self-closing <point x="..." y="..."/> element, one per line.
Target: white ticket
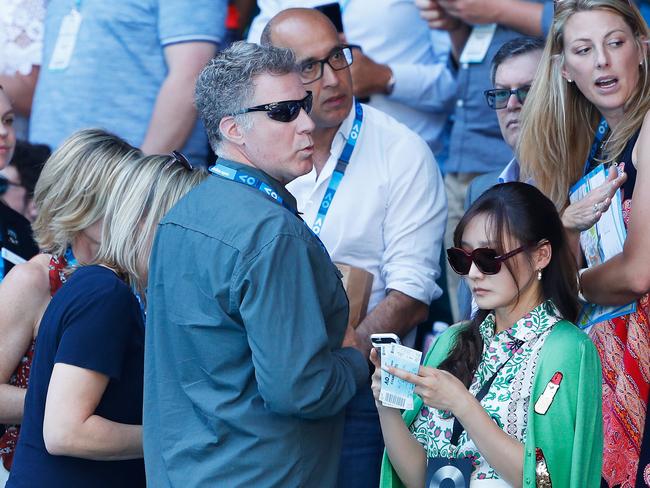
<point x="395" y="392"/>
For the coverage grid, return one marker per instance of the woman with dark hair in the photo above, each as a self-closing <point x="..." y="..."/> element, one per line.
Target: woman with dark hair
<point x="514" y="393"/>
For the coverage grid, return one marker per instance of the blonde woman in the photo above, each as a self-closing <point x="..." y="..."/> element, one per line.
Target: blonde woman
<point x="72" y="194"/>
<point x="83" y="410"/>
<point x="590" y="104"/>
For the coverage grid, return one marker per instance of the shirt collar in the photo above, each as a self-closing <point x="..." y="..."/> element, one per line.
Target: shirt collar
<point x="287" y="198"/>
<point x="510" y="172"/>
<point x="533" y="324"/>
<point x="336" y="148"/>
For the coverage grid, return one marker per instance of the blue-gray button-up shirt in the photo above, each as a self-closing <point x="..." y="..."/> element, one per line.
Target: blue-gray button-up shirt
<point x="476" y="144"/>
<point x="245" y="379"/>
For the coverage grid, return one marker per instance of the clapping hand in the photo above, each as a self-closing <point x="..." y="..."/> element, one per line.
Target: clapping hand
<point x="584" y="213"/>
<point x="472" y="11"/>
<point x="435" y="16"/>
<point x="368" y="76"/>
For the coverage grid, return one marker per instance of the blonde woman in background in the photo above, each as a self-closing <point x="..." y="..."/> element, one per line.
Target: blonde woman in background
<point x="83" y="410"/>
<point x="72" y="194"/>
<point x="590" y="104"/>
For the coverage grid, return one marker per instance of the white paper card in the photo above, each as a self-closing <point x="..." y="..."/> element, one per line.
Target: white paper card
<point x="12" y="257"/>
<point x="600" y="243"/>
<point x="395" y="392"/>
<point x="66" y="41"/>
<point x="478" y="43"/>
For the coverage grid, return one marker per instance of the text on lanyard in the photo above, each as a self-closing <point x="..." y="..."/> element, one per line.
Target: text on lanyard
<point x="339" y="171"/>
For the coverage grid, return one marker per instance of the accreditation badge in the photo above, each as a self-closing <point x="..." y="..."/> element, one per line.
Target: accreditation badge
<point x="477" y="45"/>
<point x="448" y="472"/>
<point x="66" y="41"/>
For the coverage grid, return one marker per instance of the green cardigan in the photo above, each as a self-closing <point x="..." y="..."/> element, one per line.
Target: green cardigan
<point x="570" y="434"/>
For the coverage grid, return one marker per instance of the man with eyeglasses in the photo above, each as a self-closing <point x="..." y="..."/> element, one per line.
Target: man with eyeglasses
<point x="245" y="376"/>
<point x="512" y="73"/>
<point x="376" y="199"/>
<point x="402" y="68"/>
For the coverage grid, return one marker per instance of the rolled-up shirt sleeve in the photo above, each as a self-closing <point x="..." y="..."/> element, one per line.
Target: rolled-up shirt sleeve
<point x="195" y="21"/>
<point x="547" y="17"/>
<point x="415" y="220"/>
<point x="295" y="315"/>
<point x="430" y="86"/>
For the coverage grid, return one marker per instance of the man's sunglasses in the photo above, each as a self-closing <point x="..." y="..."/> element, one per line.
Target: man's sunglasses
<point x="486" y="260"/>
<point x="182" y="160"/>
<point x="6" y="183"/>
<point x="286" y="111"/>
<point x="497" y="98"/>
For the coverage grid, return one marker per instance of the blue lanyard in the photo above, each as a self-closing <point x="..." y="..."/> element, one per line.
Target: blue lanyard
<point x="69" y="257"/>
<point x="339" y="171"/>
<point x="143" y="311"/>
<point x="239" y="176"/>
<point x="601" y="130"/>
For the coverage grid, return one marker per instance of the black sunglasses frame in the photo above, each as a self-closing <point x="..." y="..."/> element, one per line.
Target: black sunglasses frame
<point x="281" y="111"/>
<point x="326" y="60"/>
<point x="471" y="257"/>
<point x="182" y="160"/>
<point x="518" y="92"/>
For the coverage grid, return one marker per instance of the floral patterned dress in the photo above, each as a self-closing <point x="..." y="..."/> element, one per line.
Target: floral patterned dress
<point x="509" y="396"/>
<point x="20" y="378"/>
<point x="624" y="347"/>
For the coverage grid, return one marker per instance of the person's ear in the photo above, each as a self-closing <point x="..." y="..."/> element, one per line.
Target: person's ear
<point x="542" y="255"/>
<point x="231" y="130"/>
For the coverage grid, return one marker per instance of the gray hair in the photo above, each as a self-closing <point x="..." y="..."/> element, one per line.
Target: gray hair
<point x="225" y="85"/>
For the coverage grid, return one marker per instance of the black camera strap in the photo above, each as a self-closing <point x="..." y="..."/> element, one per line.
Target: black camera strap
<point x="458" y="427"/>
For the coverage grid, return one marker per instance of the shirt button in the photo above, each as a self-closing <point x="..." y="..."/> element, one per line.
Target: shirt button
<point x="465" y="65"/>
<point x="460" y="103"/>
<point x="310" y="203"/>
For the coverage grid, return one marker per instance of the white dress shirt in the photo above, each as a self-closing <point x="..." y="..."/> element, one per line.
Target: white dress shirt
<point x="389" y="212"/>
<point x="391" y="32"/>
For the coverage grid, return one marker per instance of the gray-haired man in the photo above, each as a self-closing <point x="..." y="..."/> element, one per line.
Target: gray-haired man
<point x="245" y="377"/>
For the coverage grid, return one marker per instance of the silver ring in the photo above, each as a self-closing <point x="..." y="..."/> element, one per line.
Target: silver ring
<point x="595" y="208"/>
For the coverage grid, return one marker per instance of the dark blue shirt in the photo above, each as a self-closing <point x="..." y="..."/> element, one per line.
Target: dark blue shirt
<point x="94" y="322"/>
<point x="245" y="377"/>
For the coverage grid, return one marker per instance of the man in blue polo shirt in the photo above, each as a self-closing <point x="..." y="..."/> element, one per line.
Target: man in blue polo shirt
<point x="127" y="66"/>
<point x="245" y="376"/>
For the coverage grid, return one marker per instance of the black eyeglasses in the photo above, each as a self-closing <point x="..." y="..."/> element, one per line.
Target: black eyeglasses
<point x="497" y="98"/>
<point x="286" y="111"/>
<point x="486" y="260"/>
<point x="182" y="160"/>
<point x="340" y="58"/>
<point x="5" y="183"/>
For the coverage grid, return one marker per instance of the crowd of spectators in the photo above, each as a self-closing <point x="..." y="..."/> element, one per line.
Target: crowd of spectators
<point x="200" y="234"/>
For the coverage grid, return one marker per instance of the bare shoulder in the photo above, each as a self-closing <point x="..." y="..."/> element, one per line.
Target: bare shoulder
<point x="30" y="279"/>
<point x="641" y="150"/>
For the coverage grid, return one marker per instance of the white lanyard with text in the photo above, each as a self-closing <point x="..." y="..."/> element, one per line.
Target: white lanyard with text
<point x="339" y="171"/>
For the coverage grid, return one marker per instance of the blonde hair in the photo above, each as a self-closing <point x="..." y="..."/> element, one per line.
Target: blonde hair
<point x="74" y="187"/>
<point x="142" y="196"/>
<point x="559" y="123"/>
